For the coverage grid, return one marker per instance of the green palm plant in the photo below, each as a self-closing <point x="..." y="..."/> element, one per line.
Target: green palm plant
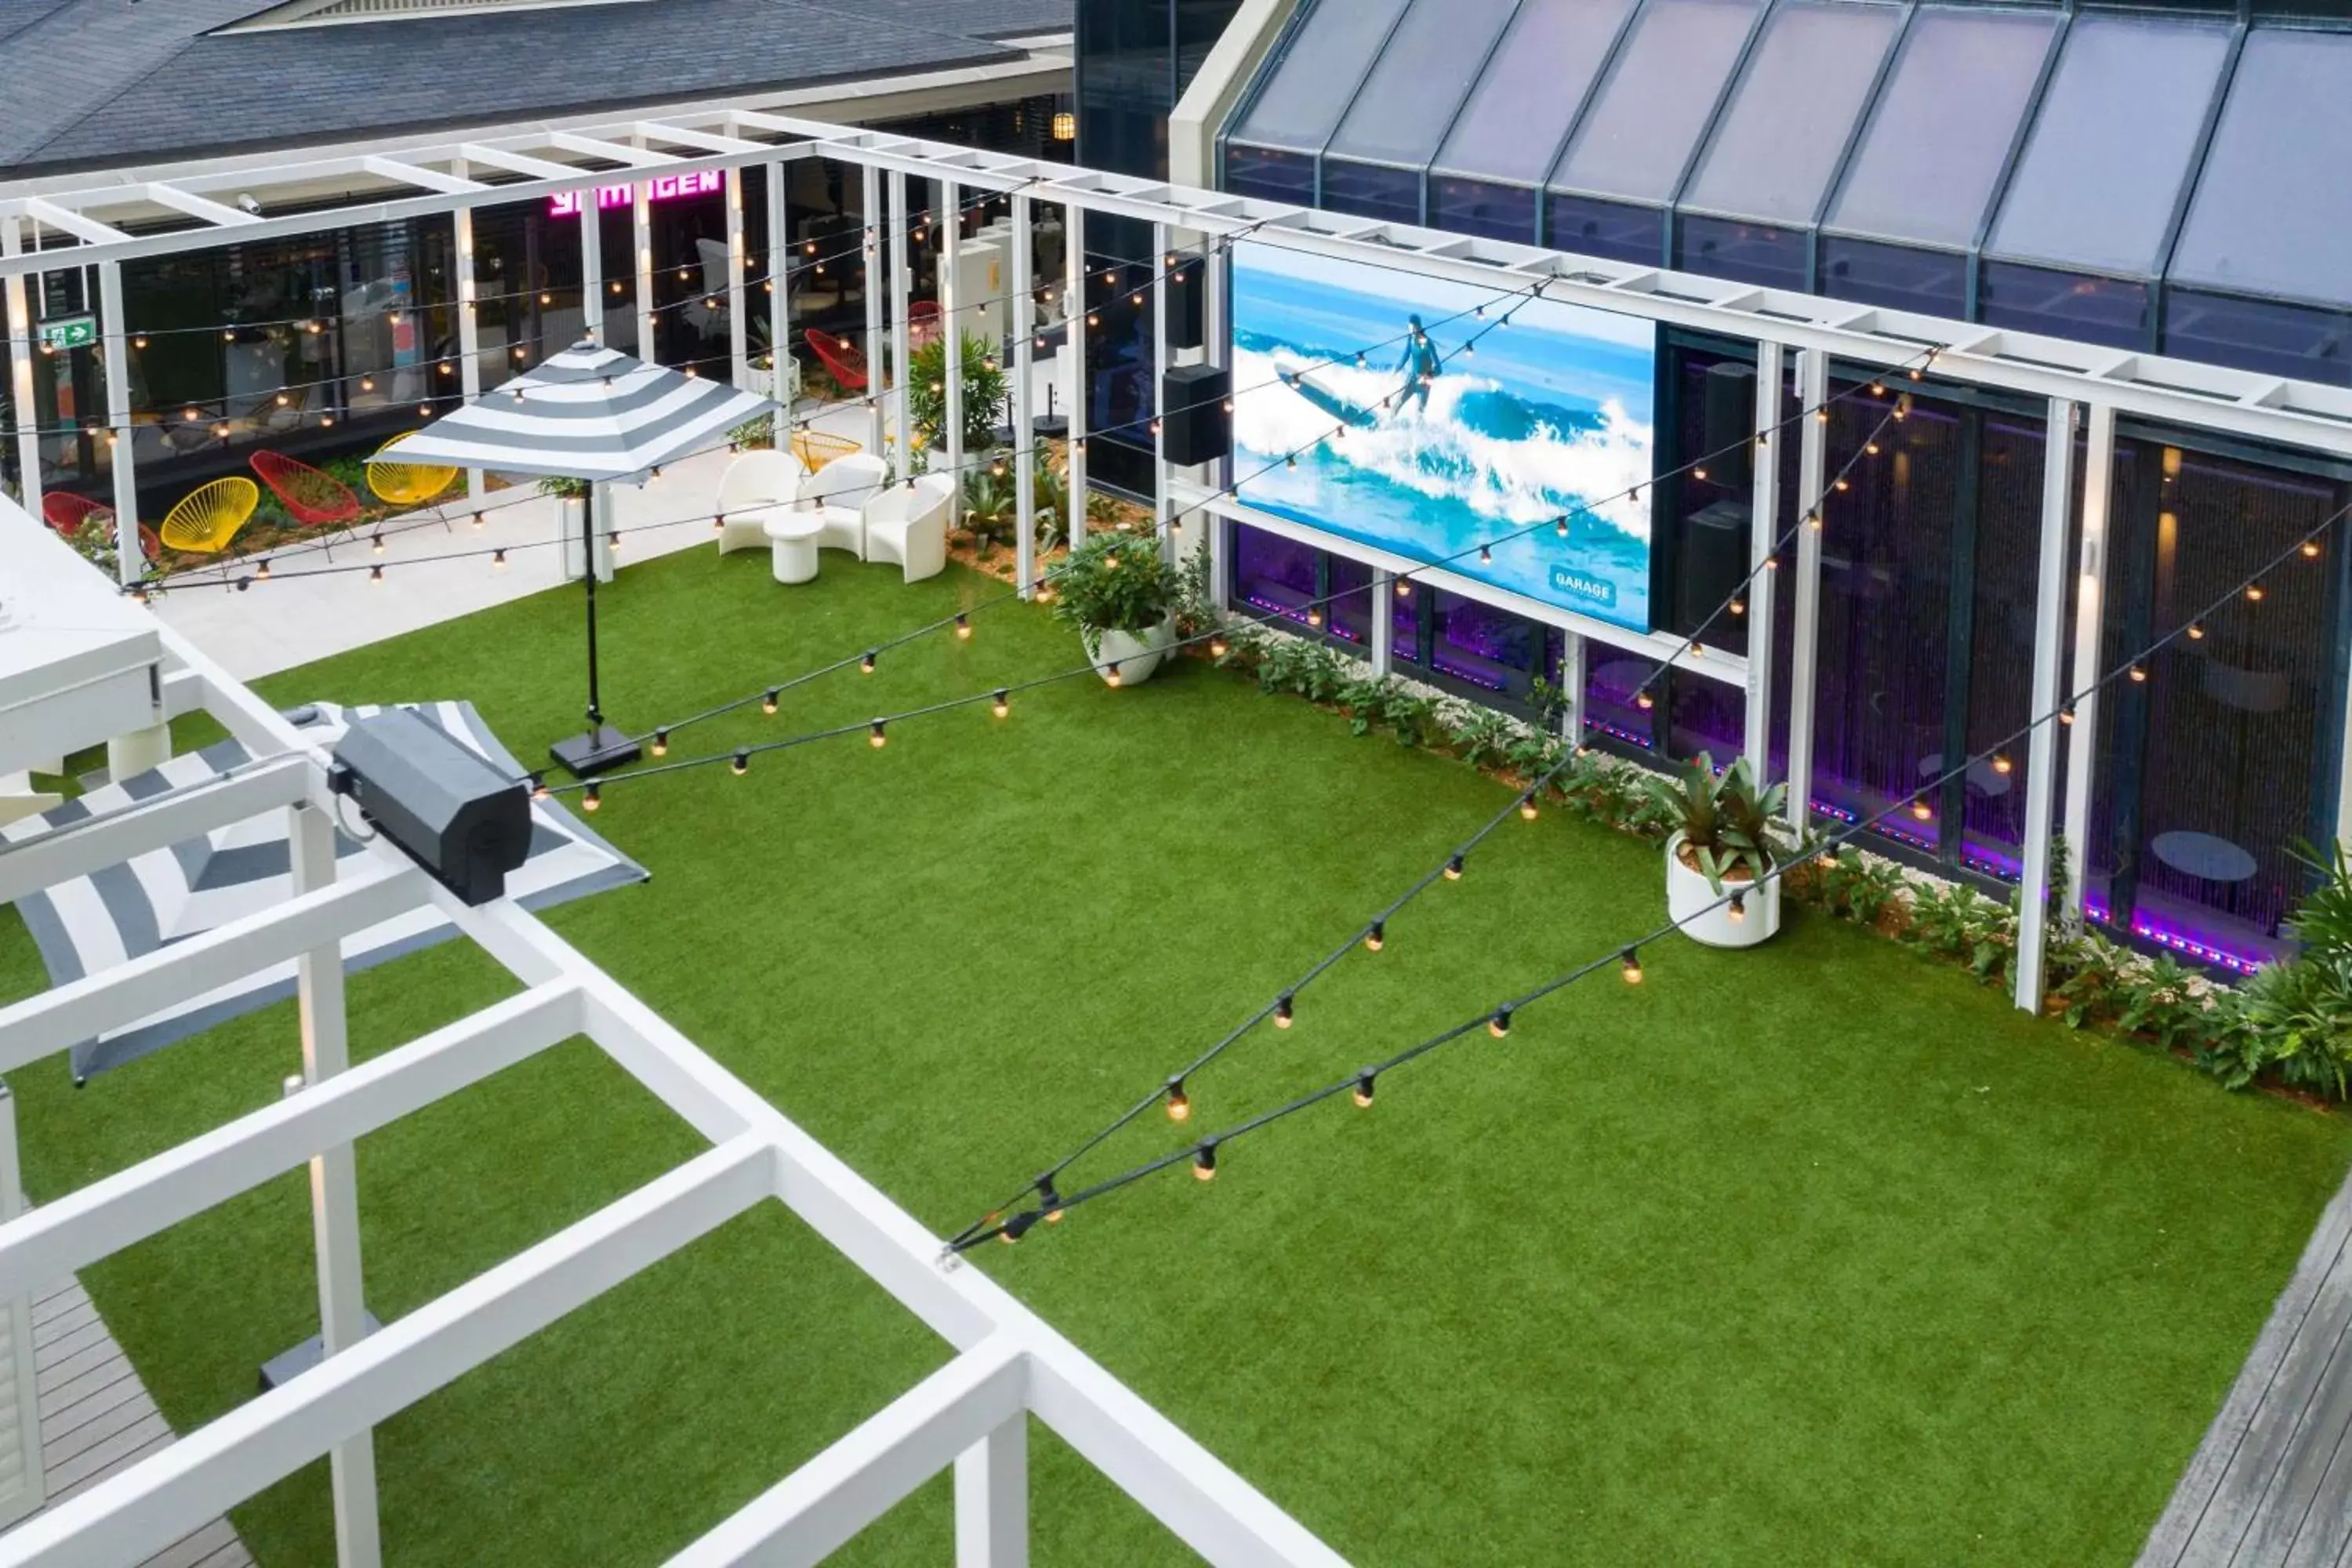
<point x="991" y="507"/>
<point x="985" y="384"/>
<point x="1726" y="823"/>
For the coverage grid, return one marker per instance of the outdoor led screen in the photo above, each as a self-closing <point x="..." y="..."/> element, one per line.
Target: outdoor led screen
<point x="1458" y="431"/>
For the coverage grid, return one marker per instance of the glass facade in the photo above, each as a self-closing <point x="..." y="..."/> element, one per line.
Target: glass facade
<point x="2163" y="178"/>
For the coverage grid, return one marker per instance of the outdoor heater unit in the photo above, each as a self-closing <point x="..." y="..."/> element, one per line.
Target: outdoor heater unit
<point x="441" y="802"/>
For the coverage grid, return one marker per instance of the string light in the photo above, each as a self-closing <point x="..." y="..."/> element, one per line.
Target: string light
<point x="1921" y="809"/>
<point x="2311" y="549"/>
<point x="768" y="701"/>
<point x="742" y="763"/>
<point x="262" y="572"/>
<point x="1003" y="703"/>
<point x="1376" y="937"/>
<point x="964" y="627"/>
<point x="1499" y="1025"/>
<point x="1644" y="701"/>
<point x="1632" y="966"/>
<point x="2196" y="632"/>
<point x="1204" y="1163"/>
<point x="1486" y="556"/>
<point x="1404" y="587"/>
<point x="2254" y="593"/>
<point x="661" y="742"/>
<point x="589" y="799"/>
<point x="1112" y="676"/>
<point x="1283" y="1011"/>
<point x="1364" y="1089"/>
<point x="1453" y="869"/>
<point x="865" y="664"/>
<point x="2138" y="674"/>
<point x="375" y="574"/>
<point x="1180" y="1104"/>
<point x="1016" y="1227"/>
<point x="876" y="737"/>
<point x="499" y="558"/>
<point x="1737" y="912"/>
<point x="2000" y="762"/>
<point x="1527" y="808"/>
<point x="1217" y="648"/>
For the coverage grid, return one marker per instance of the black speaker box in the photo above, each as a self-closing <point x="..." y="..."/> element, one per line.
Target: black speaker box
<point x="1728" y="414"/>
<point x="1196" y="428"/>
<point x="1711" y="559"/>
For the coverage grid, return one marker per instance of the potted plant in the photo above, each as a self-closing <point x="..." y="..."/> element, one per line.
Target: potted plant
<point x="1117" y="589"/>
<point x="1726" y="840"/>
<point x="985" y="384"/>
<point x="992" y="507"/>
<point x="571" y="515"/>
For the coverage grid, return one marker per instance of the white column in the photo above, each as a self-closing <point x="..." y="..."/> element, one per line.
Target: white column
<point x="1074" y="357"/>
<point x="334" y="1190"/>
<point x="114" y="338"/>
<point x="1024" y="431"/>
<point x="1161" y="359"/>
<point x="779" y="295"/>
<point x="2090" y="603"/>
<point x="20" y="367"/>
<point x="1572" y="687"/>
<point x="469" y="328"/>
<point x="1763" y="536"/>
<point x="991" y="1498"/>
<point x="1813" y="469"/>
<point x="641" y="232"/>
<point x="23" y="1422"/>
<point x="592" y="270"/>
<point x="874" y="356"/>
<point x="951" y="232"/>
<point x="739" y="325"/>
<point x="2042" y="758"/>
<point x="902" y="463"/>
<point x="1383" y="627"/>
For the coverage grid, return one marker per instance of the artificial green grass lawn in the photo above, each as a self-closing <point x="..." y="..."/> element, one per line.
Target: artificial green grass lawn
<point x="1812" y="1254"/>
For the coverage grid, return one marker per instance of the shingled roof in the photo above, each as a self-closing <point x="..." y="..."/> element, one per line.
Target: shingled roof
<point x="102" y="82"/>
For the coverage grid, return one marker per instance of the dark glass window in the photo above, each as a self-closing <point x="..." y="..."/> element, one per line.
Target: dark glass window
<point x="1272" y="573"/>
<point x="1615" y="692"/>
<point x="1933" y="282"/>
<point x="1367" y="190"/>
<point x="1270" y="174"/>
<point x="2066" y="304"/>
<point x="1348" y="585"/>
<point x="1490" y="649"/>
<point x="1735" y="247"/>
<point x="2301" y="341"/>
<point x="2004" y="599"/>
<point x="1478" y="207"/>
<point x="1705" y="716"/>
<point x="1614" y="230"/>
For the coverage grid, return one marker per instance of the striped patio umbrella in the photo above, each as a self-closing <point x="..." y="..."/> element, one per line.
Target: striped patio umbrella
<point x="588" y="413"/>
<point x="594" y="414"/>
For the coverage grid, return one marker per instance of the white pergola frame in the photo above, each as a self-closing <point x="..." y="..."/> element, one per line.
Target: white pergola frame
<point x="2082" y="385"/>
<point x="972" y="1413"/>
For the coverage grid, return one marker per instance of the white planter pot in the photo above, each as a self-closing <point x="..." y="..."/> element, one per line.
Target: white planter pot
<point x="1135" y="654"/>
<point x="568" y="511"/>
<point x="1688" y="893"/>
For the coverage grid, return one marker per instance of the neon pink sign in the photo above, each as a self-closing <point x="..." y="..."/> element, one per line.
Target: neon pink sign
<point x="665" y="187"/>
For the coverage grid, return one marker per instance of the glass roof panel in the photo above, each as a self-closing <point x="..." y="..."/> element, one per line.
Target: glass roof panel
<point x="2105" y="161"/>
<point x="2274" y="207"/>
<point x="1943" y="125"/>
<point x="1315" y="79"/>
<point x="1420" y="79"/>
<point x="1777" y="145"/>
<point x="1649" y="114"/>
<point x="1516" y="115"/>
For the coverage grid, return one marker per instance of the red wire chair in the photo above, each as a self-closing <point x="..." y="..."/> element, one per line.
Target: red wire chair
<point x="66" y="513"/>
<point x="310" y="498"/>
<point x="841" y="357"/>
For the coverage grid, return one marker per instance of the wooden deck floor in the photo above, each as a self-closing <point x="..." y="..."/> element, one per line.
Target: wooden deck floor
<point x="96" y="1418"/>
<point x="2271" y="1487"/>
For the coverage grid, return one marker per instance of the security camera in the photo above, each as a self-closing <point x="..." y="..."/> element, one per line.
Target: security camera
<point x="249" y="205"/>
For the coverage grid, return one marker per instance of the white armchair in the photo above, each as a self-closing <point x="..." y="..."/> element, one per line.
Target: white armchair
<point x="837" y="493"/>
<point x="756" y="488"/>
<point x="909" y="524"/>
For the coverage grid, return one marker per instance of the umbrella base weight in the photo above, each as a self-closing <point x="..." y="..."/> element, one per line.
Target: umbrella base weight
<point x="286" y="1364"/>
<point x="598" y="750"/>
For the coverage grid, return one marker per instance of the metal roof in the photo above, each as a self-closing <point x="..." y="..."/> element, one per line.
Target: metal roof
<point x="2157" y="179"/>
<point x="144" y="82"/>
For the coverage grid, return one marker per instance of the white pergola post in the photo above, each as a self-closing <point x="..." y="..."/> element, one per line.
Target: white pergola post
<point x="739" y="325"/>
<point x="115" y="339"/>
<point x="874" y="356"/>
<point x="1216" y="258"/>
<point x="2042" y="758"/>
<point x="469" y="329"/>
<point x="598" y="556"/>
<point x="1813" y="469"/>
<point x="991" y="1498"/>
<point x="903" y="453"/>
<point x="1763" y="537"/>
<point x="334" y="1190"/>
<point x="1025" y="424"/>
<point x="13" y="289"/>
<point x="1383" y="626"/>
<point x="1161" y="359"/>
<point x="1074" y="357"/>
<point x="641" y="240"/>
<point x="776" y="277"/>
<point x="951" y="232"/>
<point x="2090" y="604"/>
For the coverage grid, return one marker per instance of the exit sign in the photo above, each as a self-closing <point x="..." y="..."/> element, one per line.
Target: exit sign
<point x="70" y="332"/>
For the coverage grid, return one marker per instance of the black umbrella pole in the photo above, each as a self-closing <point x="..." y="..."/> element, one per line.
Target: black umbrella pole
<point x="601" y="747"/>
<point x="588" y="559"/>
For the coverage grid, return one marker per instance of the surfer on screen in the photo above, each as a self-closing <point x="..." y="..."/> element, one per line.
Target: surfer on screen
<point x="1420" y="361"/>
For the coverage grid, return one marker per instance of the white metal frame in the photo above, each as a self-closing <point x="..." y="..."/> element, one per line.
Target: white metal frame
<point x="972" y="1413"/>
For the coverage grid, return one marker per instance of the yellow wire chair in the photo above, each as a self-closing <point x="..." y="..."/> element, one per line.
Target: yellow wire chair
<point x="407" y="484"/>
<point x="815" y="448"/>
<point x="208" y="517"/>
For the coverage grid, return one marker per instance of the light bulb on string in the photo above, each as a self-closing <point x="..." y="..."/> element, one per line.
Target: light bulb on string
<point x="2001" y="763"/>
<point x="1560" y="525"/>
<point x="1486" y="556"/>
<point x="590" y="799"/>
<point x="499" y="558"/>
<point x="539" y="790"/>
<point x="2138" y="674"/>
<point x="375" y="543"/>
<point x="1112" y="676"/>
<point x="1453" y="869"/>
<point x="1499" y="1025"/>
<point x="1016" y="1227"/>
<point x="768" y="700"/>
<point x="742" y="762"/>
<point x="661" y="742"/>
<point x="1049" y="1200"/>
<point x="1364" y="1089"/>
<point x="1377" y="937"/>
<point x="1283" y="1011"/>
<point x="2254" y="593"/>
<point x="877" y="737"/>
<point x="964" y="627"/>
<point x="1314" y="614"/>
<point x="1644" y="701"/>
<point x="2067" y="715"/>
<point x="1528" y="810"/>
<point x="1632" y="966"/>
<point x="1204" y="1163"/>
<point x="1003" y="705"/>
<point x="1180" y="1104"/>
<point x="375" y="574"/>
<point x="866" y="663"/>
<point x="2311" y="549"/>
<point x="1737" y="912"/>
<point x="2196" y="632"/>
<point x="1737" y="606"/>
<point x="1921" y="809"/>
<point x="1404" y="588"/>
<point x="261" y="572"/>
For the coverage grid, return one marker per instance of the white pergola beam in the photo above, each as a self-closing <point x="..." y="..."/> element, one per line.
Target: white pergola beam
<point x="423" y="178"/>
<point x="98" y="1220"/>
<point x="165" y="195"/>
<point x="816" y="1509"/>
<point x="73" y="223"/>
<point x="146" y="1507"/>
<point x="708" y="141"/>
<point x="618" y="152"/>
<point x="521" y="163"/>
<point x="125" y="993"/>
<point x="76" y="849"/>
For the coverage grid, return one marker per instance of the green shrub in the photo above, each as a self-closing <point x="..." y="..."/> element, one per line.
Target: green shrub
<point x="1729" y="825"/>
<point x="2292" y="1020"/>
<point x="1114" y="582"/>
<point x="984" y="385"/>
